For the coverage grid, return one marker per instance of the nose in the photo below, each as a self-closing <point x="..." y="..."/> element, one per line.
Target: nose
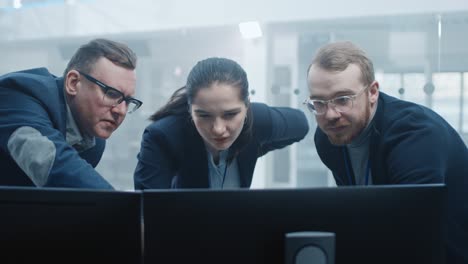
<point x="219" y="126"/>
<point x="120" y="109"/>
<point x="331" y="112"/>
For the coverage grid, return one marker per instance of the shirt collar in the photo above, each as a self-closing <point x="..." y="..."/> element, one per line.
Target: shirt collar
<point x="222" y="158"/>
<point x="74" y="136"/>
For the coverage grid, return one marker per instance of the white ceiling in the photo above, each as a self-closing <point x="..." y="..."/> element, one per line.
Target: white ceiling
<point x="42" y="19"/>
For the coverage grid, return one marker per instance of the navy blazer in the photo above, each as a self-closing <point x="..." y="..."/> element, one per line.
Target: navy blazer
<point x="411" y="144"/>
<point x="35" y="98"/>
<point x="173" y="154"/>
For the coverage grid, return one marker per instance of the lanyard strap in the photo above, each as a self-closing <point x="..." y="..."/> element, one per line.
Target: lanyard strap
<point x="224" y="175"/>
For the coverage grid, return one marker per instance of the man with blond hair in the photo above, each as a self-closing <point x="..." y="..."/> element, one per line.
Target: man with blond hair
<point x="366" y="137"/>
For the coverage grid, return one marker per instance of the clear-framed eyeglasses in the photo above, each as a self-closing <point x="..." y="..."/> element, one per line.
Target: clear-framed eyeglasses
<point x="113" y="97"/>
<point x="340" y="104"/>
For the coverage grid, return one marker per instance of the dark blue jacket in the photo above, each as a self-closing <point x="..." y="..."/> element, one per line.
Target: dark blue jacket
<point x="35" y="98"/>
<point x="411" y="144"/>
<point x="171" y="147"/>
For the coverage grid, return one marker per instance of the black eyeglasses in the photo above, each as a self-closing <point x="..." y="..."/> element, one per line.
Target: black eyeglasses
<point x="340" y="104"/>
<point x="113" y="97"/>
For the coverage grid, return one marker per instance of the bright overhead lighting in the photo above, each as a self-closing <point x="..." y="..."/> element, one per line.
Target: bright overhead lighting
<point x="250" y="30"/>
<point x="17" y="4"/>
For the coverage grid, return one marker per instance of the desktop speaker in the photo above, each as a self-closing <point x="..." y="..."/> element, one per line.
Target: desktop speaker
<point x="310" y="248"/>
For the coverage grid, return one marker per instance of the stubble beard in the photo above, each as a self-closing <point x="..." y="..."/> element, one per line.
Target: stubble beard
<point x="356" y="128"/>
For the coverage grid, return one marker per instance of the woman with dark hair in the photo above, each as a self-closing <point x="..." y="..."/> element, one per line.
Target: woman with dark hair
<point x="209" y="135"/>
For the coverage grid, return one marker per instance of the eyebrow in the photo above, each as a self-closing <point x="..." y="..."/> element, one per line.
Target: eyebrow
<point x="235" y="110"/>
<point x="129" y="96"/>
<point x="346" y="92"/>
<point x="201" y="111"/>
<point x="98" y="82"/>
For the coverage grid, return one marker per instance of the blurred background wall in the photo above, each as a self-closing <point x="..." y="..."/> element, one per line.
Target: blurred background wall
<point x="419" y="49"/>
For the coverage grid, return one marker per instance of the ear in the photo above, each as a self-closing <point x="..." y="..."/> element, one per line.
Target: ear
<point x="72" y="83"/>
<point x="374" y="92"/>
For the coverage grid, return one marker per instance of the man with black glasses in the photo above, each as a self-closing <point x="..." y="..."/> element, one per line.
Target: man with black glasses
<point x="53" y="129"/>
<point x="367" y="137"/>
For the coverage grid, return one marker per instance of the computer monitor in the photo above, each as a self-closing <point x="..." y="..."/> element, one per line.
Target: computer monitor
<point x="374" y="224"/>
<point x="69" y="226"/>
